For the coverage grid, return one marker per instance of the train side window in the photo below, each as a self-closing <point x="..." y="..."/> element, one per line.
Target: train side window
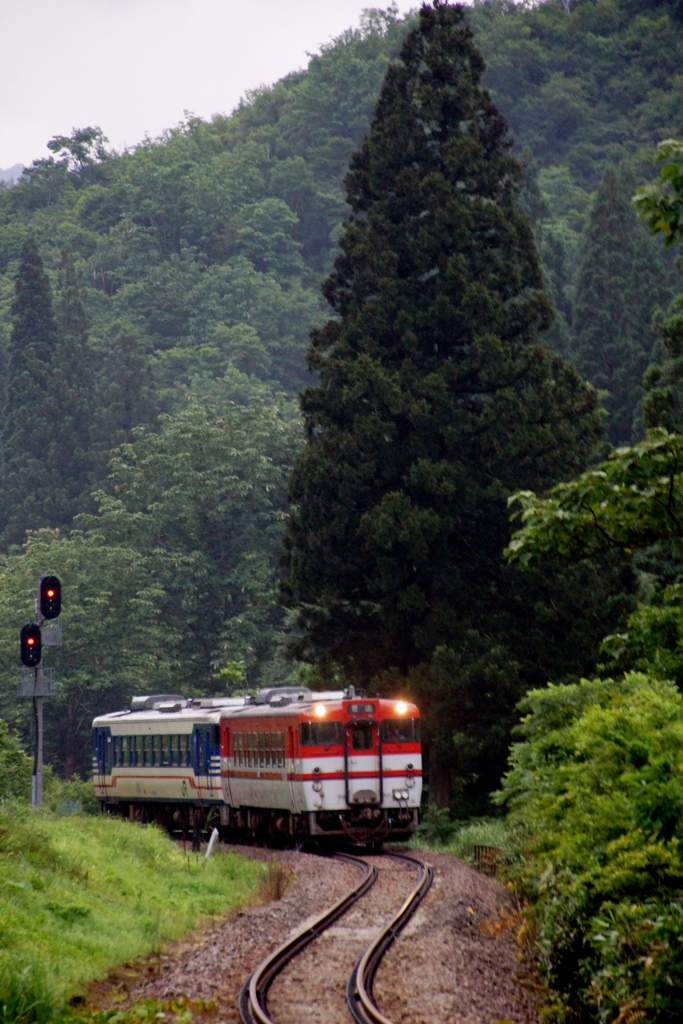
<point x="148" y="750"/>
<point x="124" y="751"/>
<point x="139" y="759"/>
<point x="273" y="749"/>
<point x="237" y="748"/>
<point x="241" y="748"/>
<point x="266" y="740"/>
<point x="261" y="749"/>
<point x="321" y="734"/>
<point x="280" y="750"/>
<point x="361" y="736"/>
<point x="250" y="749"/>
<point x="156" y="750"/>
<point x="166" y="750"/>
<point x="401" y="730"/>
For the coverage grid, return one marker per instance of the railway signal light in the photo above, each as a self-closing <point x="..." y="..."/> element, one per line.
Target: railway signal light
<point x="31" y="645"/>
<point x="50" y="597"/>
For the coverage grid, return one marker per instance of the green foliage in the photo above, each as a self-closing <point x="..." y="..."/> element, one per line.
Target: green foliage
<point x="595" y="795"/>
<point x="69" y="796"/>
<point x="202" y="502"/>
<point x="28" y="473"/>
<point x="480" y="832"/>
<point x="619" y="287"/>
<point x="661" y="203"/>
<point x="115" y="641"/>
<point x="28" y="994"/>
<point x="588" y="88"/>
<point x="663" y="382"/>
<point x="630" y="501"/>
<point x="436" y="827"/>
<point x="81" y="895"/>
<point x="15" y="767"/>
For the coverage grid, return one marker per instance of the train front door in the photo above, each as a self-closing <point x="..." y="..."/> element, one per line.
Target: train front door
<point x="363" y="757"/>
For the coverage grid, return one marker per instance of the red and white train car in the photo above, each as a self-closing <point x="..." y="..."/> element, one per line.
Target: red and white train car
<point x="322" y="764"/>
<point x="291" y="763"/>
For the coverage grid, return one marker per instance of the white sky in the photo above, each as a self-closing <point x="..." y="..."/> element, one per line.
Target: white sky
<point x="133" y="66"/>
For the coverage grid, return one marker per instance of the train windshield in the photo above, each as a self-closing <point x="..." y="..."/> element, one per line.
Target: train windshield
<point x="361" y="736"/>
<point x="401" y="730"/>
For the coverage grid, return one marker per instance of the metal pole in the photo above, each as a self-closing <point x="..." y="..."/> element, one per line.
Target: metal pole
<point x="39" y="759"/>
<point x="37" y="780"/>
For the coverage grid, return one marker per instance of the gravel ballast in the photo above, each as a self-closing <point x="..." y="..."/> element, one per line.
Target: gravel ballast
<point x="456" y="962"/>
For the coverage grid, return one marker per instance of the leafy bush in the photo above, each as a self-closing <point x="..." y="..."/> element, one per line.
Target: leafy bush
<point x="595" y="795"/>
<point x="15" y="767"/>
<point x="73" y="796"/>
<point x="436" y="827"/>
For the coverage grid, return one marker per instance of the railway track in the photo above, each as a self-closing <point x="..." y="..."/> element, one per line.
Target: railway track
<point x="253" y="1000"/>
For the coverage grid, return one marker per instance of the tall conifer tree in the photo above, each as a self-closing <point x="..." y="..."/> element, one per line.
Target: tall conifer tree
<point x="72" y="383"/>
<point x="47" y="437"/>
<point x="618" y="291"/>
<point x="29" y="416"/>
<point x="435" y="402"/>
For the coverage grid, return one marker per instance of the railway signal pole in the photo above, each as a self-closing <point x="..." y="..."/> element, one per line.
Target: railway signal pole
<point x="38" y="683"/>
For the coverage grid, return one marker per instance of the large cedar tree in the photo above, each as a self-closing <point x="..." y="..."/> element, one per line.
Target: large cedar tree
<point x="435" y="402"/>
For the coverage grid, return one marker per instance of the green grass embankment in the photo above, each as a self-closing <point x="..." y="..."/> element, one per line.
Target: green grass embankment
<point x="80" y="895"/>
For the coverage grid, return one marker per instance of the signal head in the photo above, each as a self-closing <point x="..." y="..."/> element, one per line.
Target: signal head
<point x="31" y="645"/>
<point x="50" y="597"/>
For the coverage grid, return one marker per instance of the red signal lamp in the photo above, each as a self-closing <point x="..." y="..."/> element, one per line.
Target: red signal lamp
<point x="31" y="645"/>
<point x="50" y="597"/>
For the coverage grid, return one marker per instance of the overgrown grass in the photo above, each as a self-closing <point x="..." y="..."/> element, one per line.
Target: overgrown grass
<point x="80" y="895"/>
<point x="479" y="832"/>
<point x="438" y="832"/>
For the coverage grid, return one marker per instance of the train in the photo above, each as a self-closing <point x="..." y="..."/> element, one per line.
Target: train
<point x="286" y="764"/>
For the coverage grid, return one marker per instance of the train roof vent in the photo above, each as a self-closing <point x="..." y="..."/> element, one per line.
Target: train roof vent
<point x="152" y="702"/>
<point x="283" y="695"/>
<point x="217" y="702"/>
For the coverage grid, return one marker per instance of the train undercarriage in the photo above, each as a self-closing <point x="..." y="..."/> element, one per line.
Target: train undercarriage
<point x="194" y="822"/>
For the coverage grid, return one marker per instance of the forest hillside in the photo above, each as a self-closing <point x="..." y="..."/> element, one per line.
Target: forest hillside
<point x="179" y="282"/>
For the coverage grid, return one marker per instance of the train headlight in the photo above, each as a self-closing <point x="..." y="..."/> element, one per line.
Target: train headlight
<point x="400" y="794"/>
<point x="401" y="707"/>
<point x="320" y="710"/>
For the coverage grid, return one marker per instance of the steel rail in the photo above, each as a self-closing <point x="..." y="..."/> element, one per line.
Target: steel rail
<point x="253" y="994"/>
<point x="359" y="988"/>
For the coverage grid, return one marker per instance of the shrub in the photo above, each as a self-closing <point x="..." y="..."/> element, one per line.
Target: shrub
<point x="595" y="793"/>
<point x="436" y="827"/>
<point x="15" y="767"/>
